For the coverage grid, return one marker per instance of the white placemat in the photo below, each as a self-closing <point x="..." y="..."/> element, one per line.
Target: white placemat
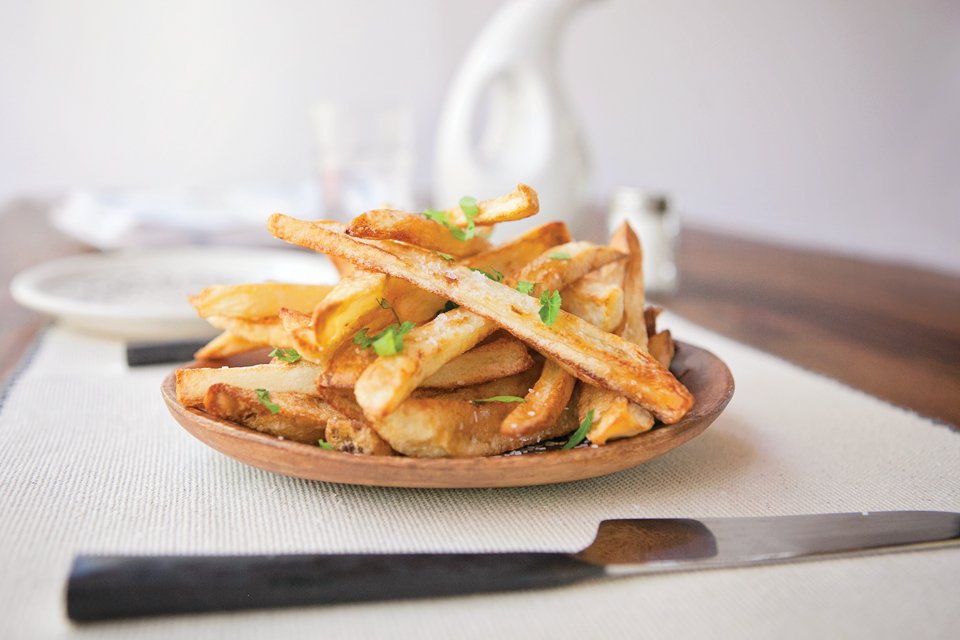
<point x="90" y="461"/>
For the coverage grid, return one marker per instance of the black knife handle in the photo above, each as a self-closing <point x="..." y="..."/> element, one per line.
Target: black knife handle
<point x="105" y="588"/>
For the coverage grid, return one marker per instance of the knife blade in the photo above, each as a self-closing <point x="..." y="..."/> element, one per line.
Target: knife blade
<point x="113" y="587"/>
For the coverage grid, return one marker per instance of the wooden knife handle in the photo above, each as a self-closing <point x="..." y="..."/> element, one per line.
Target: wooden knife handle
<point x="106" y="588"/>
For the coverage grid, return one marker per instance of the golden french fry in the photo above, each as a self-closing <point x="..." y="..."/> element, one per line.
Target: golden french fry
<point x="634" y="327"/>
<point x="650" y="315"/>
<point x="591" y="354"/>
<point x="223" y="346"/>
<point x="300" y="417"/>
<point x="598" y="303"/>
<point x="300" y="377"/>
<point x="386" y="224"/>
<point x="543" y="404"/>
<point x="261" y="332"/>
<point x="338" y="316"/>
<point x="497" y="359"/>
<point x="388" y="381"/>
<point x="354" y="436"/>
<point x="520" y="204"/>
<point x="257" y="300"/>
<point x="613" y="415"/>
<point x="661" y="347"/>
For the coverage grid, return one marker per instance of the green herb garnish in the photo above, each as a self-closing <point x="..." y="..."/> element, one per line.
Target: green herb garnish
<point x="559" y="255"/>
<point x="445" y="256"/>
<point x="450" y="306"/>
<point x="493" y="274"/>
<point x="549" y="307"/>
<point x="264" y="397"/>
<point x="389" y="342"/>
<point x="470" y="211"/>
<point x="287" y="355"/>
<point x="581" y="432"/>
<point x="385" y="304"/>
<point x="499" y="399"/>
<point x="525" y="287"/>
<point x="323" y="444"/>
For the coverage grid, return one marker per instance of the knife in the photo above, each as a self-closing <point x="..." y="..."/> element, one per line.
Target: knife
<point x="112" y="587"/>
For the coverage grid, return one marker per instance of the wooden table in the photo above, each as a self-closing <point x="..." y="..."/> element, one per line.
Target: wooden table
<point x="890" y="330"/>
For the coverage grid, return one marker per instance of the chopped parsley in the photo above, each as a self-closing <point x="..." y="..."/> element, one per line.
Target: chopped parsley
<point x="559" y="255"/>
<point x="549" y="307"/>
<point x="581" y="432"/>
<point x="385" y="304"/>
<point x="388" y="342"/>
<point x="526" y="287"/>
<point x="287" y="355"/>
<point x="323" y="444"/>
<point x="445" y="256"/>
<point x="264" y="397"/>
<point x="450" y="306"/>
<point x="493" y="274"/>
<point x="470" y="211"/>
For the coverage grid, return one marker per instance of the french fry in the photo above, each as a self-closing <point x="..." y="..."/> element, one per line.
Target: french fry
<point x="500" y="358"/>
<point x="634" y="325"/>
<point x="387" y="381"/>
<point x="223" y="346"/>
<point x="338" y="316"/>
<point x="258" y="331"/>
<point x="542" y="405"/>
<point x="257" y="300"/>
<point x="614" y="416"/>
<point x="192" y="383"/>
<point x="520" y="204"/>
<point x="354" y="436"/>
<point x="587" y="352"/>
<point x="598" y="303"/>
<point x="386" y="224"/>
<point x="661" y="347"/>
<point x="300" y="417"/>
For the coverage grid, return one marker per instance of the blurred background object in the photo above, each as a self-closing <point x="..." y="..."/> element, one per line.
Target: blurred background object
<point x="657" y="223"/>
<point x="506" y="118"/>
<point x="365" y="157"/>
<point x="819" y="124"/>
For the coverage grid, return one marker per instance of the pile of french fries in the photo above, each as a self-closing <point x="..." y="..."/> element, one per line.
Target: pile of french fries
<point x="436" y="343"/>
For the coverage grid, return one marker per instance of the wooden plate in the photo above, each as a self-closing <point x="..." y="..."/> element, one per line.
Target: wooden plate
<point x="705" y="375"/>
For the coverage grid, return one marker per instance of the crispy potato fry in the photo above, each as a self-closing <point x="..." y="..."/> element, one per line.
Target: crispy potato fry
<point x="598" y="303"/>
<point x="542" y="405"/>
<point x="520" y="204"/>
<point x="223" y="346"/>
<point x="354" y="436"/>
<point x="301" y="417"/>
<point x="262" y="332"/>
<point x="650" y="315"/>
<point x="387" y="381"/>
<point x="661" y="347"/>
<point x="257" y="300"/>
<point x="503" y="357"/>
<point x="192" y="384"/>
<point x="634" y="325"/>
<point x="386" y="224"/>
<point x="613" y="415"/>
<point x="339" y="315"/>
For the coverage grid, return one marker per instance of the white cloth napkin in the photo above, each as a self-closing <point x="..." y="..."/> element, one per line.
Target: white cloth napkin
<point x="90" y="461"/>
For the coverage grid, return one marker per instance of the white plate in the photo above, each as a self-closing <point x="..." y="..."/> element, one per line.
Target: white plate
<point x="143" y="294"/>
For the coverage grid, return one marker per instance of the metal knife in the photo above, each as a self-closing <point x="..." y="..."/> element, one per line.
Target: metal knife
<point x="104" y="588"/>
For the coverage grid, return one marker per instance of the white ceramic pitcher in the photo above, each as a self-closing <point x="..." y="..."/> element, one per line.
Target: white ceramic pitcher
<point x="506" y="120"/>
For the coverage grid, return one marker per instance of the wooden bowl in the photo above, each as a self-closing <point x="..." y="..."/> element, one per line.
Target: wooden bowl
<point x="705" y="375"/>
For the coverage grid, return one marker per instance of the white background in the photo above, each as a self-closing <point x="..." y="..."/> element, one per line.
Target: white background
<point x="826" y="123"/>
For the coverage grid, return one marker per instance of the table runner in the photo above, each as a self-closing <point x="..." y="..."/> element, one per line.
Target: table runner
<point x="91" y="462"/>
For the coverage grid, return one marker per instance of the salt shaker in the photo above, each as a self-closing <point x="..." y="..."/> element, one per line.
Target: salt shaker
<point x="658" y="226"/>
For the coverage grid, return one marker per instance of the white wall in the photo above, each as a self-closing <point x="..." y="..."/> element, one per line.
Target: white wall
<point x="824" y="123"/>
